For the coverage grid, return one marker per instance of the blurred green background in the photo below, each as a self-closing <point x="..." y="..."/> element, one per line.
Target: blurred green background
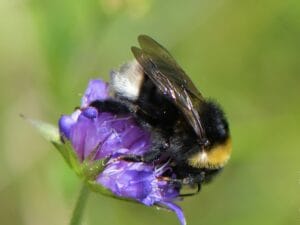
<point x="243" y="53"/>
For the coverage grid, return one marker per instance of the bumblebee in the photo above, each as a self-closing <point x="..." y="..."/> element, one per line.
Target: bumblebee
<point x="187" y="129"/>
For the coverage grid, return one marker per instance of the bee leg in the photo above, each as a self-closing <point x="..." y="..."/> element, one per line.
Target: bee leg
<point x="131" y="158"/>
<point x="146" y="158"/>
<point x="191" y="181"/>
<point x="109" y="105"/>
<point x="122" y="106"/>
<point x="192" y="193"/>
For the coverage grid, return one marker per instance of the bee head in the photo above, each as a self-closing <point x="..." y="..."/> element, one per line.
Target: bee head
<point x="217" y="151"/>
<point x="214" y="123"/>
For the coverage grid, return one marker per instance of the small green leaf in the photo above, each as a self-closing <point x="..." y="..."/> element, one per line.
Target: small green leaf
<point x="69" y="155"/>
<point x="47" y="130"/>
<point x="92" y="169"/>
<point x="51" y="133"/>
<point x="97" y="188"/>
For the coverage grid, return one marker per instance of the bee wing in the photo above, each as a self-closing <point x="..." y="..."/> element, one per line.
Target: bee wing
<point x="169" y="77"/>
<point x="167" y="64"/>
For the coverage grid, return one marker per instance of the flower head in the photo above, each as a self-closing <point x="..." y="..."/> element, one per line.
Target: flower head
<point x="97" y="135"/>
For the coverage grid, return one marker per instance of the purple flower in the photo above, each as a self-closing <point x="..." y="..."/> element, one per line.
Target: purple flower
<point x="96" y="135"/>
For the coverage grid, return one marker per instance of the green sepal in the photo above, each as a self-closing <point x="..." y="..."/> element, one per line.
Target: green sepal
<point x="97" y="188"/>
<point x="51" y="133"/>
<point x="68" y="153"/>
<point x="90" y="170"/>
<point x="47" y="130"/>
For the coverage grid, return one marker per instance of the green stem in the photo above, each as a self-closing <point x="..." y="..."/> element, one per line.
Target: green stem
<point x="79" y="207"/>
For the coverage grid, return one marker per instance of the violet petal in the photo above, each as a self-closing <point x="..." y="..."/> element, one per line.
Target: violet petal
<point x="96" y="90"/>
<point x="175" y="208"/>
<point x="128" y="180"/>
<point x="65" y="123"/>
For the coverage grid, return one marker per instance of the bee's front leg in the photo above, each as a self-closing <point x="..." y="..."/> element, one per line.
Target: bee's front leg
<point x="148" y="157"/>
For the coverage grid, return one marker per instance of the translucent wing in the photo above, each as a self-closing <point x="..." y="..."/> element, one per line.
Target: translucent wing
<point x="168" y="76"/>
